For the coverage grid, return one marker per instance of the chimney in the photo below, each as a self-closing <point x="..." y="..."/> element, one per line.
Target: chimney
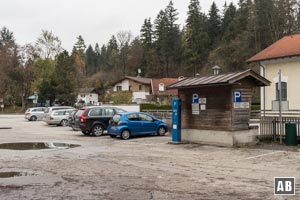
<point x="216" y="70"/>
<point x="139" y="73"/>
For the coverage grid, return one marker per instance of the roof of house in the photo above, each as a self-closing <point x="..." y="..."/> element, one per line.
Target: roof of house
<point x="146" y="81"/>
<point x="166" y="82"/>
<point x="87" y="90"/>
<point x="288" y="46"/>
<point x="222" y="79"/>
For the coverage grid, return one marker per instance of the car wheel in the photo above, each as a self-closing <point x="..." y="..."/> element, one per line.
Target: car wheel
<point x="125" y="135"/>
<point x="161" y="131"/>
<point x="73" y="128"/>
<point x="33" y="118"/>
<point x="64" y="122"/>
<point x="97" y="130"/>
<point x="112" y="136"/>
<point x="85" y="132"/>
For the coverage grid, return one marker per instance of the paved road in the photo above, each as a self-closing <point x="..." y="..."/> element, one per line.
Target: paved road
<point x="140" y="168"/>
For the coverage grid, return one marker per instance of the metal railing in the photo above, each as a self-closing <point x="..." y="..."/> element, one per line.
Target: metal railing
<point x="161" y="114"/>
<point x="270" y="126"/>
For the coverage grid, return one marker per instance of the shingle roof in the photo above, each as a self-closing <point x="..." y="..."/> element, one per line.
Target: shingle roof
<point x="286" y="47"/>
<point x="140" y="79"/>
<point x="166" y="82"/>
<point x="223" y="79"/>
<point x="86" y="90"/>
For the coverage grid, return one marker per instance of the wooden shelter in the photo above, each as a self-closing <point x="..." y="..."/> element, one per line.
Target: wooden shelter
<point x="217" y="102"/>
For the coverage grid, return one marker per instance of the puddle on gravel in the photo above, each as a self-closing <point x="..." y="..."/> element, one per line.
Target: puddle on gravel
<point x="37" y="145"/>
<point x="13" y="174"/>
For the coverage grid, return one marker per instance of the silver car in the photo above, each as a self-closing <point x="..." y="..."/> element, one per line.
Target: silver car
<point x="58" y="117"/>
<point x="34" y="114"/>
<point x="49" y="110"/>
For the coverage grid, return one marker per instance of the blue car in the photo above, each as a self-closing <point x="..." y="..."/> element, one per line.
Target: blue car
<point x="130" y="124"/>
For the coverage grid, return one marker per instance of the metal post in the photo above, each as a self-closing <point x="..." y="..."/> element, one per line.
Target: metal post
<point x="280" y="113"/>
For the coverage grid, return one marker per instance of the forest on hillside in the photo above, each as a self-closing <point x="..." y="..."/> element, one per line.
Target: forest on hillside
<point x="226" y="37"/>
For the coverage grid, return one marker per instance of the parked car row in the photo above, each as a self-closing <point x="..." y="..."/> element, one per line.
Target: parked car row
<point x="94" y="120"/>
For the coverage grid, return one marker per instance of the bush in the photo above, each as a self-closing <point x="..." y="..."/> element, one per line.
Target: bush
<point x="149" y="106"/>
<point x="255" y="107"/>
<point x="122" y="98"/>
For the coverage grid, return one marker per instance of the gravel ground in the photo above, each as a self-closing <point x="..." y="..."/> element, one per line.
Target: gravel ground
<point x="140" y="168"/>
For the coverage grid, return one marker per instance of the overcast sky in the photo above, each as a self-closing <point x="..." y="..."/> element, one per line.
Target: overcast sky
<point x="95" y="20"/>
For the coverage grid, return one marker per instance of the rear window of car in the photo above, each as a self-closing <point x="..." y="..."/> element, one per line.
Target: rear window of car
<point x="109" y="111"/>
<point x="59" y="113"/>
<point x="133" y="117"/>
<point x="79" y="112"/>
<point x="119" y="110"/>
<point x="116" y="118"/>
<point x="96" y="112"/>
<point x="47" y="110"/>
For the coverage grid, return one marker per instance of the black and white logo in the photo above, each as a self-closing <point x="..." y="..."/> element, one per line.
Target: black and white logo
<point x="284" y="185"/>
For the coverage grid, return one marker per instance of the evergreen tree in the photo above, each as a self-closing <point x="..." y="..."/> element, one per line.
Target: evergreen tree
<point x="229" y="23"/>
<point x="64" y="82"/>
<point x="80" y="45"/>
<point x="147" y="34"/>
<point x="264" y="22"/>
<point x="168" y="39"/>
<point x="196" y="38"/>
<point x="91" y="60"/>
<point x="214" y="25"/>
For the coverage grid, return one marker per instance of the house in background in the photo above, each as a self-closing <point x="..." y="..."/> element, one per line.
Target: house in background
<point x="159" y="92"/>
<point x="146" y="89"/>
<point x="87" y="96"/>
<point x="139" y="86"/>
<point x="283" y="55"/>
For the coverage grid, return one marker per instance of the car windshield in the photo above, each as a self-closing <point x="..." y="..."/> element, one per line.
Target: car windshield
<point x="116" y="118"/>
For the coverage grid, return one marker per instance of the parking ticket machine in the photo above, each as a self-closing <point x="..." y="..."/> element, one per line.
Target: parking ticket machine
<point x="176" y="120"/>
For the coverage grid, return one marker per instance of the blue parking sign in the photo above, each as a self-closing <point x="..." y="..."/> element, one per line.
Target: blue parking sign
<point x="237" y="96"/>
<point x="195" y="98"/>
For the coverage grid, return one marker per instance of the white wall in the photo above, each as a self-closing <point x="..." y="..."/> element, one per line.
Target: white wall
<point x="124" y="84"/>
<point x="290" y="69"/>
<point x="129" y="108"/>
<point x="90" y="97"/>
<point x="139" y="95"/>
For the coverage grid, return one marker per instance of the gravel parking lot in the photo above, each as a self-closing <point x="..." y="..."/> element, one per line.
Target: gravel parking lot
<point x="140" y="168"/>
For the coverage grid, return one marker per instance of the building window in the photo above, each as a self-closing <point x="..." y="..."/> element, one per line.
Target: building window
<point x="140" y="87"/>
<point x="119" y="88"/>
<point x="283" y="91"/>
<point x="161" y="87"/>
<point x="130" y="88"/>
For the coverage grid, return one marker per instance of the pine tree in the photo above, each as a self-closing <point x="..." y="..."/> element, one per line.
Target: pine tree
<point x="196" y="38"/>
<point x="229" y="23"/>
<point x="147" y="34"/>
<point x="91" y="60"/>
<point x="167" y="39"/>
<point x="214" y="26"/>
<point x="63" y="78"/>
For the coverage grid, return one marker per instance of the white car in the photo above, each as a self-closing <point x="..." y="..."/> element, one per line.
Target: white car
<point x="34" y="114"/>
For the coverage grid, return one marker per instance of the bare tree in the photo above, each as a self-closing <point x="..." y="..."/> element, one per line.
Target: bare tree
<point x="48" y="45"/>
<point x="124" y="38"/>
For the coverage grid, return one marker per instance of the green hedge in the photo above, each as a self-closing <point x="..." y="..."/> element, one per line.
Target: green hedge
<point x="255" y="107"/>
<point x="149" y="106"/>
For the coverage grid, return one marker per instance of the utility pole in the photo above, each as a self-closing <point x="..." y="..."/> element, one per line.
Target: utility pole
<point x="280" y="112"/>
